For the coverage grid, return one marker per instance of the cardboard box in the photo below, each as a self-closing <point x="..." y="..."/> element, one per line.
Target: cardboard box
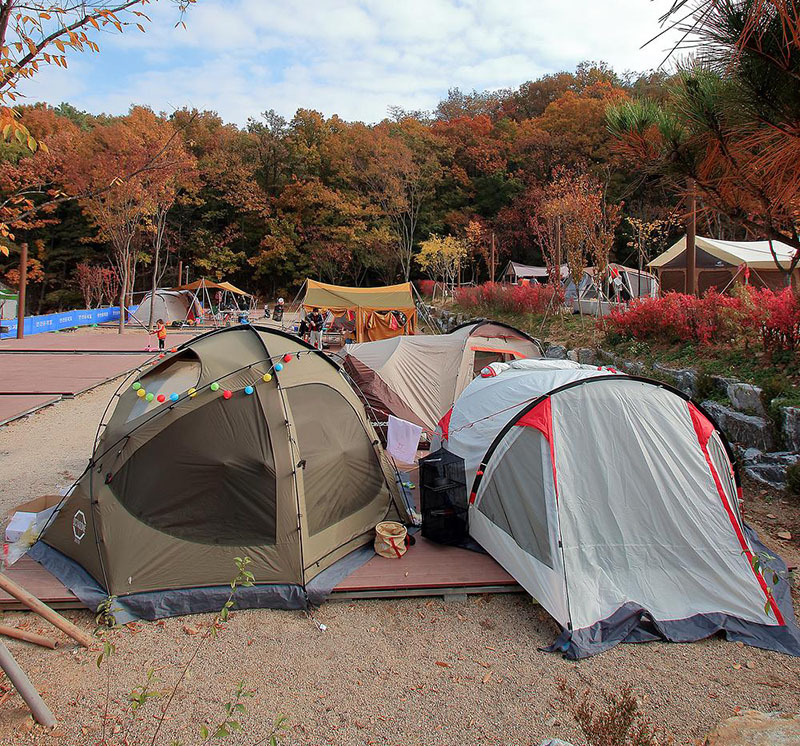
<point x="30" y="513"/>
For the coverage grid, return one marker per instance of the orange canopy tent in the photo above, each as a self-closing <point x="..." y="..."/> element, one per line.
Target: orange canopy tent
<point x="373" y="313"/>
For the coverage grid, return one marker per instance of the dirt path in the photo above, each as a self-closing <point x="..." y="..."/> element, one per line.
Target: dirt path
<point x="375" y="675"/>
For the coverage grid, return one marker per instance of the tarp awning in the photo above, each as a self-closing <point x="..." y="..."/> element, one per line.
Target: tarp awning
<point x="211" y="285"/>
<point x="387" y="298"/>
<point x="755" y="254"/>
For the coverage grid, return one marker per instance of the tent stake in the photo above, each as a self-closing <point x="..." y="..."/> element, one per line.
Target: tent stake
<point x="41" y="712"/>
<point x="44" y="611"/>
<point x="21" y="634"/>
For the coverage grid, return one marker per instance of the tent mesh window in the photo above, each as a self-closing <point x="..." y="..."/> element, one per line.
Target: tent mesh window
<point x="341" y="474"/>
<point x="443" y="497"/>
<point x="521" y="471"/>
<point x="207" y="477"/>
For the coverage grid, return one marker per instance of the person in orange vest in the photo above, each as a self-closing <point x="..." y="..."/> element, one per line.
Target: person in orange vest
<point x="161" y="333"/>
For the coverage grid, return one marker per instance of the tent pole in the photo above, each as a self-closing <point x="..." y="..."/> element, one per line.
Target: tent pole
<point x="425" y="314"/>
<point x="41" y="712"/>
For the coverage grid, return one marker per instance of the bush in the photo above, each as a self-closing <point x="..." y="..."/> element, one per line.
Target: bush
<point x="425" y="288"/>
<point x="533" y="298"/>
<point x="713" y="319"/>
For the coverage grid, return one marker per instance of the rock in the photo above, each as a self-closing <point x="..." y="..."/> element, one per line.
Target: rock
<point x="746" y="429"/>
<point x="583" y="355"/>
<point x="770" y="474"/>
<point x="754" y="728"/>
<point x="684" y="379"/>
<point x="784" y="535"/>
<point x="790" y="424"/>
<point x="751" y="455"/>
<point x="721" y="383"/>
<point x="746" y="398"/>
<point x="634" y="367"/>
<point x="556" y="352"/>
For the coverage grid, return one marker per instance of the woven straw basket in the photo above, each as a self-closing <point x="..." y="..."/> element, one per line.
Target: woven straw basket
<point x="390" y="539"/>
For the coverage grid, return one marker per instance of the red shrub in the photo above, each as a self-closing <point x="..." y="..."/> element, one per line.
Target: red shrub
<point x="425" y="287"/>
<point x="714" y="318"/>
<point x="776" y="315"/>
<point x="493" y="296"/>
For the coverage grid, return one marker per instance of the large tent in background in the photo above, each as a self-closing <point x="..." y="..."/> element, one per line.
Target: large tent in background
<point x="168" y="305"/>
<point x="417" y="378"/>
<point x="614" y="501"/>
<point x="720" y="263"/>
<point x="288" y="472"/>
<point x="368" y="313"/>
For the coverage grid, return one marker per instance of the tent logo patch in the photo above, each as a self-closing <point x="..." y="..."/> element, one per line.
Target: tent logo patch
<point x="79" y="526"/>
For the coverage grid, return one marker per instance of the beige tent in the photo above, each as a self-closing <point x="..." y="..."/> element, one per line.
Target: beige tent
<point x="720" y="263"/>
<point x="369" y="313"/>
<point x="286" y="471"/>
<point x="417" y="378"/>
<point x="169" y="305"/>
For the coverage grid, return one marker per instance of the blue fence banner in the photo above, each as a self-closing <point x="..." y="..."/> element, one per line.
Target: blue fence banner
<point x="55" y="322"/>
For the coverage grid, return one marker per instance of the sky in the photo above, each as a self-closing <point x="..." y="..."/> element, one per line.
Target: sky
<point x="354" y="58"/>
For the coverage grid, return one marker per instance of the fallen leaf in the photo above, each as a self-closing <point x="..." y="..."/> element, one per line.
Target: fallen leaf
<point x="190" y="630"/>
<point x="487" y="678"/>
<point x="771" y="515"/>
<point x="442" y="664"/>
<point x="784" y="535"/>
<point x="750" y="664"/>
<point x="737" y="666"/>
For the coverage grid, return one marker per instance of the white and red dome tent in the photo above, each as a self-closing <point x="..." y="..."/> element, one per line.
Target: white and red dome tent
<point x="613" y="501"/>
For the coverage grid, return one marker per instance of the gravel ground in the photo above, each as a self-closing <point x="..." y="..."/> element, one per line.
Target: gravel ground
<point x="416" y="671"/>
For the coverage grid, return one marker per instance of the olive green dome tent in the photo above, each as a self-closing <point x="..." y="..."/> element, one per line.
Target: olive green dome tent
<point x="258" y="448"/>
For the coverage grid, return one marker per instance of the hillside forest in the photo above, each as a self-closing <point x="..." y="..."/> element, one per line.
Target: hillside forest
<point x="270" y="203"/>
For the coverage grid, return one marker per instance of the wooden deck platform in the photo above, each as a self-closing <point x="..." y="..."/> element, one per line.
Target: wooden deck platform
<point x="42" y="369"/>
<point x="427" y="569"/>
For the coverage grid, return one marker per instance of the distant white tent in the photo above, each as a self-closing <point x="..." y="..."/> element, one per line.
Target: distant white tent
<point x="614" y="501"/>
<point x="168" y="305"/>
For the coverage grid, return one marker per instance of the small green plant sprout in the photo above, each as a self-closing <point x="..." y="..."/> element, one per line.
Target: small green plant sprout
<point x="760" y="564"/>
<point x="233" y="711"/>
<point x="273" y="737"/>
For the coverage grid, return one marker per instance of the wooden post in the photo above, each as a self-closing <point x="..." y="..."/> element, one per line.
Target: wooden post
<point x="691" y="233"/>
<point x="44" y="611"/>
<point x="21" y="634"/>
<point x="180" y="271"/>
<point x="23" y="278"/>
<point x="41" y="712"/>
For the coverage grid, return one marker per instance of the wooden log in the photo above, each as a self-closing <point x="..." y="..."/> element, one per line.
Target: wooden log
<point x="39" y="710"/>
<point x="44" y="611"/>
<point x="21" y="634"/>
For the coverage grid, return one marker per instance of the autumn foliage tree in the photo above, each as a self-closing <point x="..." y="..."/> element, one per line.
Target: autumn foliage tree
<point x="729" y="125"/>
<point x="36" y="33"/>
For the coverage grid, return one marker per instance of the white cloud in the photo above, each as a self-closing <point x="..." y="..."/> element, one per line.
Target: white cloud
<point x="351" y="57"/>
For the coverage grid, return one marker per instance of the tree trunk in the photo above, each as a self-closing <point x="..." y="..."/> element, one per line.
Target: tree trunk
<point x="123" y="292"/>
<point x="691" y="249"/>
